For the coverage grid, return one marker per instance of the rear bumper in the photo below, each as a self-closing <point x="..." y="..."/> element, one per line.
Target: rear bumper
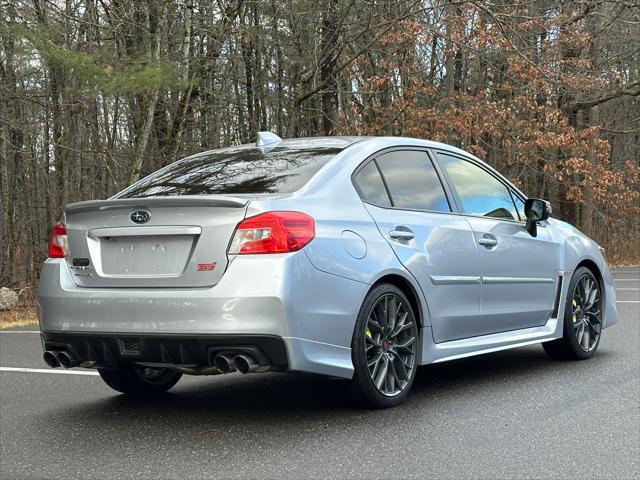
<point x="311" y="313"/>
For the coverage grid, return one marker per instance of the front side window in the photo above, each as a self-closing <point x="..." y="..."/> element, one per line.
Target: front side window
<point x="412" y="181"/>
<point x="481" y="193"/>
<point x="235" y="171"/>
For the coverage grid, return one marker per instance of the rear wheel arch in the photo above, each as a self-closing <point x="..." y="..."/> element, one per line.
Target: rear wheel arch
<point x="375" y="370"/>
<point x="410" y="292"/>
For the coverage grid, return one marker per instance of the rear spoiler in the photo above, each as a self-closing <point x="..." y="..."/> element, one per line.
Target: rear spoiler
<point x="134" y="203"/>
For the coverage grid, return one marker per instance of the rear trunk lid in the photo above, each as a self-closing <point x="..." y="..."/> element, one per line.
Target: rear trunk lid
<point x="151" y="242"/>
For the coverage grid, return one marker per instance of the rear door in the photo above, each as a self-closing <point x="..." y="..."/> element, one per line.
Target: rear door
<point x="518" y="270"/>
<point x="151" y="242"/>
<point x="404" y="194"/>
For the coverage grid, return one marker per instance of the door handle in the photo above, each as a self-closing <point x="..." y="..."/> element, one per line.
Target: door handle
<point x="401" y="234"/>
<point x="488" y="241"/>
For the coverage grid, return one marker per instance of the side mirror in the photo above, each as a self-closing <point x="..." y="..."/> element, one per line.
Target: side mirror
<point x="536" y="210"/>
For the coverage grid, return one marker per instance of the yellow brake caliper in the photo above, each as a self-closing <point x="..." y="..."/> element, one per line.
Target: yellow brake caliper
<point x="575" y="304"/>
<point x="367" y="332"/>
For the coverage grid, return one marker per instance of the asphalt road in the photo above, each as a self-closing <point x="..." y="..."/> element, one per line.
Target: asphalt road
<point x="513" y="414"/>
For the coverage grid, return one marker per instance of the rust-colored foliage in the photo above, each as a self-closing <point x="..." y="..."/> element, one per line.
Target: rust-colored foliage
<point x="506" y="90"/>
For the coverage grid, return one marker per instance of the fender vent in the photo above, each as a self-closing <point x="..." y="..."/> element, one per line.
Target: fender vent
<point x="556" y="304"/>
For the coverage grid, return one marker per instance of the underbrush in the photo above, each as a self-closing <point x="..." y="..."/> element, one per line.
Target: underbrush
<point x="622" y="248"/>
<point x="21" y="316"/>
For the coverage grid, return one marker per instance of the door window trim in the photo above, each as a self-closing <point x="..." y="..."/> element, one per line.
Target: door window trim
<point x="513" y="199"/>
<point x="453" y="206"/>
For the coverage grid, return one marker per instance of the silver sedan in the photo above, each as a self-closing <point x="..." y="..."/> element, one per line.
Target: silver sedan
<point x="358" y="258"/>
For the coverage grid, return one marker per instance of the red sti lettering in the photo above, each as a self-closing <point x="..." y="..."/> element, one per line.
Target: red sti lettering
<point x="205" y="267"/>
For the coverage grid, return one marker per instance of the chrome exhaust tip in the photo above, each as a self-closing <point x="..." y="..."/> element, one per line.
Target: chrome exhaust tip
<point x="247" y="364"/>
<point x="224" y="363"/>
<point x="50" y="359"/>
<point x="66" y="359"/>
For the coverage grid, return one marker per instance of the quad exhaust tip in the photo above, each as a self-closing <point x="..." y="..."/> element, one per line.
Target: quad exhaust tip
<point x="245" y="364"/>
<point x="224" y="363"/>
<point x="61" y="358"/>
<point x="227" y="363"/>
<point x="51" y="359"/>
<point x="66" y="359"/>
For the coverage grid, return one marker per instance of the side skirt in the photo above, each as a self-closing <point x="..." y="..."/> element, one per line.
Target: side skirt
<point x="467" y="347"/>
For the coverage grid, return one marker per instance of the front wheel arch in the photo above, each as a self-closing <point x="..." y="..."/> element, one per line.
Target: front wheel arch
<point x="591" y="265"/>
<point x="568" y="347"/>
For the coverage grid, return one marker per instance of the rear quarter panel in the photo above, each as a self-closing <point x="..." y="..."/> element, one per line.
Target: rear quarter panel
<point x="348" y="243"/>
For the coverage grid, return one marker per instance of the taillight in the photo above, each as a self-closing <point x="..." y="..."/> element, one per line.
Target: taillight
<point x="272" y="232"/>
<point x="58" y="247"/>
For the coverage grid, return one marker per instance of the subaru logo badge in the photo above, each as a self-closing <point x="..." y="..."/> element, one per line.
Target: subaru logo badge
<point x="140" y="216"/>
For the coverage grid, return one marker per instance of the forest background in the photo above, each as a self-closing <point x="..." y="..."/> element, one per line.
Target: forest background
<point x="96" y="93"/>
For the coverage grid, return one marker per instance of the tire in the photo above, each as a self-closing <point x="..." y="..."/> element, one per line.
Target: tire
<point x="138" y="380"/>
<point x="582" y="327"/>
<point x="397" y="356"/>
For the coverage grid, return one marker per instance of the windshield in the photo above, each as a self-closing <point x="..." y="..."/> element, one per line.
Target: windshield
<point x="238" y="171"/>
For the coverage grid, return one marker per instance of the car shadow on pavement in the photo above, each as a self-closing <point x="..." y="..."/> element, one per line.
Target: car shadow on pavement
<point x="277" y="412"/>
<point x="287" y="396"/>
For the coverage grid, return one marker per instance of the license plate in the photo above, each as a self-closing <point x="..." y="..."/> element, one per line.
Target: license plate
<point x="145" y="256"/>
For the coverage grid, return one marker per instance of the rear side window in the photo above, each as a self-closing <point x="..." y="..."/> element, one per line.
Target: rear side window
<point x="371" y="187"/>
<point x="235" y="171"/>
<point x="412" y="181"/>
<point x="481" y="193"/>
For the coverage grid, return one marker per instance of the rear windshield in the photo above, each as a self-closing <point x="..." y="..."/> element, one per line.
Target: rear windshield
<point x="247" y="170"/>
